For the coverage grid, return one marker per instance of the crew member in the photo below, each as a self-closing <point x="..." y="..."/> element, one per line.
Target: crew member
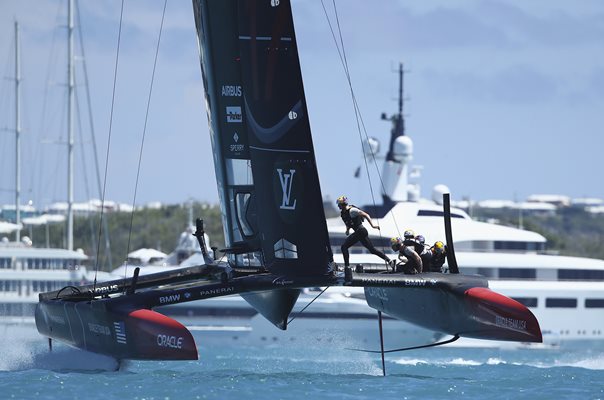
<point x="424" y="252"/>
<point x="353" y="218"/>
<point x="410" y="261"/>
<point x="409" y="240"/>
<point x="439" y="255"/>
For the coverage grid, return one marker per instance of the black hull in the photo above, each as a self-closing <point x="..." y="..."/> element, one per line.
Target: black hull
<point x="119" y="333"/>
<point x="452" y="304"/>
<point x="124" y="327"/>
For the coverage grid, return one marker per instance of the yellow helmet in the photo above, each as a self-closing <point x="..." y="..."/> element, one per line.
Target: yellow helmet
<point x="396" y="243"/>
<point x="439" y="247"/>
<point x="342" y="200"/>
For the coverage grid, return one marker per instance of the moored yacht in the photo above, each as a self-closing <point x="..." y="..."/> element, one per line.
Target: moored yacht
<point x="26" y="271"/>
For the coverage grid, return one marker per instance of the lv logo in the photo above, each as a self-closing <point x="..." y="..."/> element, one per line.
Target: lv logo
<point x="287" y="181"/>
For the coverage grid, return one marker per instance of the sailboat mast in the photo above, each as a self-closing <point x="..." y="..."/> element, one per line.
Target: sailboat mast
<point x="70" y="141"/>
<point x="17" y="133"/>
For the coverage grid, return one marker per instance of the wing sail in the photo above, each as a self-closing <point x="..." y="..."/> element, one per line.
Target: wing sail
<point x="264" y="157"/>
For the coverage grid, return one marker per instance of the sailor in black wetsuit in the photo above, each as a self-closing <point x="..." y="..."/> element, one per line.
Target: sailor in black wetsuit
<point x="353" y="218"/>
<point x="424" y="252"/>
<point x="439" y="255"/>
<point x="411" y="262"/>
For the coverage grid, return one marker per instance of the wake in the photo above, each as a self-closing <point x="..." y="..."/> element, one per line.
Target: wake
<point x="587" y="360"/>
<point x="22" y="348"/>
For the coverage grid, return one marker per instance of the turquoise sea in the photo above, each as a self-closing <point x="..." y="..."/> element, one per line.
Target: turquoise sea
<point x="302" y="371"/>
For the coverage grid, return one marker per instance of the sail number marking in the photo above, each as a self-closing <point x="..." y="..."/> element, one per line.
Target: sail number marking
<point x="507" y="322"/>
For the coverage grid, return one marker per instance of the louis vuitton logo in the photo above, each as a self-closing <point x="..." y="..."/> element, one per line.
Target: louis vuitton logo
<point x="287" y="181"/>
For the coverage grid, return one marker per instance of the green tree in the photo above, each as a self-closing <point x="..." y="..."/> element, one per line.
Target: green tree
<point x="151" y="228"/>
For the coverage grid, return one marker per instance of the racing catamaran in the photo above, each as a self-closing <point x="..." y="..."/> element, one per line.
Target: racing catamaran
<point x="275" y="230"/>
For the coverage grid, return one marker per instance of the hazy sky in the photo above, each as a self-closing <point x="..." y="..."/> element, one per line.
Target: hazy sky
<point x="506" y="98"/>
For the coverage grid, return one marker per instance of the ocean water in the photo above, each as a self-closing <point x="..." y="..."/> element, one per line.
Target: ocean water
<point x="301" y="371"/>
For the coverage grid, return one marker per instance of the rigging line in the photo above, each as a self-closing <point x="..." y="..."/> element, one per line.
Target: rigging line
<point x="308" y="305"/>
<point x="92" y="132"/>
<point x="81" y="137"/>
<point x="357" y="110"/>
<point x="364" y="128"/>
<point x="378" y="172"/>
<point x="344" y="62"/>
<point x="7" y="80"/>
<point x="5" y="104"/>
<point x="140" y="155"/>
<point x="51" y="65"/>
<point x="84" y="166"/>
<point x="335" y="9"/>
<point x="27" y="147"/>
<point x="102" y="213"/>
<point x="62" y="116"/>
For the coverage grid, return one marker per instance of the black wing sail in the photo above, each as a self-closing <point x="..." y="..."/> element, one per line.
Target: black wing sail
<point x="219" y="55"/>
<point x="263" y="151"/>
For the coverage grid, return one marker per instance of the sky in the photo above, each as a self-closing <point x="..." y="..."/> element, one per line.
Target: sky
<point x="504" y="99"/>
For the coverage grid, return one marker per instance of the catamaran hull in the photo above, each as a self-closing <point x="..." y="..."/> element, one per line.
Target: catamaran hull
<point x="454" y="305"/>
<point x="139" y="334"/>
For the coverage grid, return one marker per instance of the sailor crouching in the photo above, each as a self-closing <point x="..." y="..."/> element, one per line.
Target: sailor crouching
<point x="424" y="252"/>
<point x="410" y="260"/>
<point x="439" y="256"/>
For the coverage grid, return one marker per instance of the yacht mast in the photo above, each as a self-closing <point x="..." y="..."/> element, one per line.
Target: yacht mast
<point x="70" y="100"/>
<point x="400" y="153"/>
<point x="17" y="133"/>
<point x="398" y="120"/>
<point x="400" y="116"/>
